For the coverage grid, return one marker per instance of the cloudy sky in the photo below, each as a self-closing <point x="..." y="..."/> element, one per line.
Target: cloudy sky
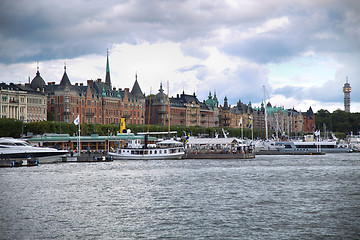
<point x="302" y="51"/>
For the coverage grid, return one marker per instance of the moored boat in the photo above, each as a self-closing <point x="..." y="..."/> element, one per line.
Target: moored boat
<point x="218" y="148"/>
<point x="313" y="147"/>
<point x="15" y="149"/>
<point x="135" y="149"/>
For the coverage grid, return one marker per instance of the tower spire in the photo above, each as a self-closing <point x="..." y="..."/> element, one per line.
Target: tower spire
<point x="107" y="77"/>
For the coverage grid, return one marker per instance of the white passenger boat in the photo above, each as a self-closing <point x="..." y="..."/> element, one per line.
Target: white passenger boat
<point x="11" y="148"/>
<point x="313" y="147"/>
<point x="135" y="150"/>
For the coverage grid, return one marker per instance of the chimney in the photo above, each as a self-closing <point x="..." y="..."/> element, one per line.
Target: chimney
<point x="126" y="89"/>
<point x="51" y="83"/>
<point x="99" y="80"/>
<point x="114" y="89"/>
<point x="81" y="84"/>
<point x="76" y="84"/>
<point x="90" y="83"/>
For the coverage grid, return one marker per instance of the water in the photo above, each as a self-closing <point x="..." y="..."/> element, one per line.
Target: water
<point x="269" y="197"/>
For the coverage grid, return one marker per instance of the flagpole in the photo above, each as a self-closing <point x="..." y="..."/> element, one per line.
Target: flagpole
<point x="79" y="139"/>
<point x="242" y="130"/>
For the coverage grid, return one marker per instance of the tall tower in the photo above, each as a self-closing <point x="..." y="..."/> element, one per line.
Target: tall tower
<point x="347" y="91"/>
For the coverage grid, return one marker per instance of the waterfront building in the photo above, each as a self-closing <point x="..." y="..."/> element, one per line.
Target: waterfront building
<point x="185" y="110"/>
<point x="225" y="115"/>
<point x="309" y="121"/>
<point x="242" y="113"/>
<point x="347" y="91"/>
<point x="25" y="102"/>
<point x="97" y="103"/>
<point x="295" y="121"/>
<point x="210" y="112"/>
<point x="276" y="118"/>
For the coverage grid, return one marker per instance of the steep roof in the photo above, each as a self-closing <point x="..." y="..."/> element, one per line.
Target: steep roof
<point x="65" y="79"/>
<point x="136" y="90"/>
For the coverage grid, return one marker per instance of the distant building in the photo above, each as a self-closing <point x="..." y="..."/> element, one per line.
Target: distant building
<point x="347" y="91"/>
<point x="25" y="102"/>
<point x="97" y="102"/>
<point x="309" y="121"/>
<point x="185" y="110"/>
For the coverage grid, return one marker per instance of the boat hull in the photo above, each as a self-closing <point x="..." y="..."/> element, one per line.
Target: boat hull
<point x="117" y="156"/>
<point x="218" y="156"/>
<point x="312" y="147"/>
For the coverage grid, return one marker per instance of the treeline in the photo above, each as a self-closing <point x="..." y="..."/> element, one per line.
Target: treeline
<point x="15" y="128"/>
<point x="339" y="122"/>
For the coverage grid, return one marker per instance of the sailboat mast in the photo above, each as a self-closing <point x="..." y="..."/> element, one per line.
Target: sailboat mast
<point x="168" y="107"/>
<point x="148" y="126"/>
<point x="266" y="125"/>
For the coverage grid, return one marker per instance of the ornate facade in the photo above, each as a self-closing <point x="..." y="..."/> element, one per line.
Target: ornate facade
<point x="24" y="102"/>
<point x="97" y="102"/>
<point x="185" y="110"/>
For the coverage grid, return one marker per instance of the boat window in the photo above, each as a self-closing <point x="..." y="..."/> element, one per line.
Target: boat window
<point x="159" y="151"/>
<point x="21" y="144"/>
<point x="8" y="144"/>
<point x="155" y="151"/>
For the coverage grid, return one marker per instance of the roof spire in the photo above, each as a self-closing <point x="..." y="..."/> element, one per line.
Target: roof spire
<point x="107" y="77"/>
<point x="37" y="67"/>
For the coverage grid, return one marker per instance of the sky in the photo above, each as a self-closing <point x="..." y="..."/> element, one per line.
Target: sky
<point x="295" y="54"/>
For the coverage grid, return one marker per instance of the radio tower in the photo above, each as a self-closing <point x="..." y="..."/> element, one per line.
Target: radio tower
<point x="347" y="91"/>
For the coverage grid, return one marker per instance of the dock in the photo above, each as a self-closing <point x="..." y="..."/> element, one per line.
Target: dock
<point x="18" y="162"/>
<point x="86" y="157"/>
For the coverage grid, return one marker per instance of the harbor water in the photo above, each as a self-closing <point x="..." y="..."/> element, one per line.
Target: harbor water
<point x="269" y="197"/>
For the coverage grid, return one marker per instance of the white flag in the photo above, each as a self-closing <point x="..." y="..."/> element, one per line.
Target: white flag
<point x="77" y="120"/>
<point x="240" y="122"/>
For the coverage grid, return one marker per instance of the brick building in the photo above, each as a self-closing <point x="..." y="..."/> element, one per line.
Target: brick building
<point x="97" y="102"/>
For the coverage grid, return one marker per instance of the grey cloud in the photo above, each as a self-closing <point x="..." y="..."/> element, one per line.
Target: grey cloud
<point x="65" y="29"/>
<point x="245" y="83"/>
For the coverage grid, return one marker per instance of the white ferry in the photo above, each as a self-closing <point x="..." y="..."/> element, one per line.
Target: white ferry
<point x="313" y="147"/>
<point x="135" y="150"/>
